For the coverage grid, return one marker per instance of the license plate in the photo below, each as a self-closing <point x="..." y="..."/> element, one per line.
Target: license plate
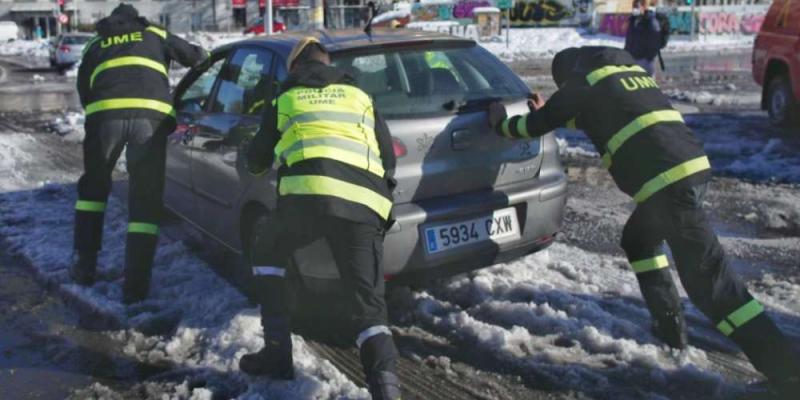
<point x="499" y="226"/>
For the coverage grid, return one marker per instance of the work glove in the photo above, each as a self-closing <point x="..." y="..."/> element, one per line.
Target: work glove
<point x="497" y="114"/>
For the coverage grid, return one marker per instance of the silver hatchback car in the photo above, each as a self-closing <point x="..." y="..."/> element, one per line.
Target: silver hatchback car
<point x="67" y="49"/>
<point x="465" y="199"/>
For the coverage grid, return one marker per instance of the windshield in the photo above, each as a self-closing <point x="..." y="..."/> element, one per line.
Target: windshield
<point x="428" y="82"/>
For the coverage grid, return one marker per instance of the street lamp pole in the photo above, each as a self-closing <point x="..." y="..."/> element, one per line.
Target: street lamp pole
<point x="268" y="17"/>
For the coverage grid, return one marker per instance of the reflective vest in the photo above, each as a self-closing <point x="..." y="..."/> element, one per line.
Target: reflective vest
<point x="335" y="123"/>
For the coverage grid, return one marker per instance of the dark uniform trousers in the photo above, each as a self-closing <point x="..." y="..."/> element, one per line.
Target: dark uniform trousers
<point x="357" y="251"/>
<point x="144" y="141"/>
<point x="676" y="215"/>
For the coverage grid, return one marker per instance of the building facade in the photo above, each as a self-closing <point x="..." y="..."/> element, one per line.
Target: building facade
<point x="41" y="17"/>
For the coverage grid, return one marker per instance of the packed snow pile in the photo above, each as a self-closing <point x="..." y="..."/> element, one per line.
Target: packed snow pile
<point x="28" y="48"/>
<point x="194" y="318"/>
<point x="717" y="99"/>
<point x="527" y="43"/>
<point x="746" y="146"/>
<point x="69" y="126"/>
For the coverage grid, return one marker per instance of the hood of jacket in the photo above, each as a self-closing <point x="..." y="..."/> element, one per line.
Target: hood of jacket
<point x="593" y="57"/>
<point x="118" y="24"/>
<point x="577" y="63"/>
<point x="316" y="75"/>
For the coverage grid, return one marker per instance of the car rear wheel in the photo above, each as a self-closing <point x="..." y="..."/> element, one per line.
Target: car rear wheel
<point x="781" y="104"/>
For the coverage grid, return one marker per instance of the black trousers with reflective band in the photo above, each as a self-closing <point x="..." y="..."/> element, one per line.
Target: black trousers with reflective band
<point x="676" y="215"/>
<point x="144" y="142"/>
<point x="357" y="251"/>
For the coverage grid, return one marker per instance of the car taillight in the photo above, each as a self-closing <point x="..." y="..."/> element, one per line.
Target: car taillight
<point x="399" y="148"/>
<point x="64" y="49"/>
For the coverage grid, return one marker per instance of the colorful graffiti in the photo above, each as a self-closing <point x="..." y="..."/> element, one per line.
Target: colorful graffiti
<point x="539" y="12"/>
<point x="524" y="12"/>
<point x="463" y="9"/>
<point x="745" y="21"/>
<point x="614" y="24"/>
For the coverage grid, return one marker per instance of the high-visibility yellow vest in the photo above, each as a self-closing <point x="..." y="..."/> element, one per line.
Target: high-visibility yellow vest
<point x="337" y="123"/>
<point x="334" y="122"/>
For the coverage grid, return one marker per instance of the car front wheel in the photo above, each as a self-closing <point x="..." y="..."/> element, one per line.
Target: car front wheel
<point x="781" y="104"/>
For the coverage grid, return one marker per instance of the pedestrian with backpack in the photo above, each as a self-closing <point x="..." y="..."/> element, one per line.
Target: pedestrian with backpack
<point x="648" y="33"/>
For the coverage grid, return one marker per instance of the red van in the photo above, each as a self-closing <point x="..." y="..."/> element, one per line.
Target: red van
<point x="776" y="62"/>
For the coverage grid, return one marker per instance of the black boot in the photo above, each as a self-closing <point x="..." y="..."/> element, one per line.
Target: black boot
<point x="671" y="329"/>
<point x="83" y="271"/>
<point x="384" y="385"/>
<point x="378" y="357"/>
<point x="275" y="359"/>
<point x="139" y="253"/>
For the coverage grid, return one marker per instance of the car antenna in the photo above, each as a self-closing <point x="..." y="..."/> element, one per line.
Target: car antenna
<point x="368" y="28"/>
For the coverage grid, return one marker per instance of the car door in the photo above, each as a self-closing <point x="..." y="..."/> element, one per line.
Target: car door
<point x="191" y="101"/>
<point x="234" y="115"/>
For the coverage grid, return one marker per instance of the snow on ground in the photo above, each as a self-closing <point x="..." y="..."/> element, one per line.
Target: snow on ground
<point x="213" y="324"/>
<point x="741" y="145"/>
<point x="529" y="43"/>
<point x="569" y="318"/>
<point x="28" y="48"/>
<point x="717" y="99"/>
<point x="69" y="126"/>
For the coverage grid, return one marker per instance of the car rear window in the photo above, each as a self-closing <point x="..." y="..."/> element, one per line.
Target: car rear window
<point x="75" y="39"/>
<point x="430" y="81"/>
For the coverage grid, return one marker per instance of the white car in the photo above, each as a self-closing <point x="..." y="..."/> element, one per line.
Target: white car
<point x="8" y="31"/>
<point x="67" y="49"/>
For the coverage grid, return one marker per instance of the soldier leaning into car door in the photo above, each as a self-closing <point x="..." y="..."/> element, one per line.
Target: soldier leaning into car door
<point x="653" y="157"/>
<point x="334" y="183"/>
<point x="124" y="88"/>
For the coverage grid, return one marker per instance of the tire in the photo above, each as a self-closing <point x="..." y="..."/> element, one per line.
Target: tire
<point x="781" y="104"/>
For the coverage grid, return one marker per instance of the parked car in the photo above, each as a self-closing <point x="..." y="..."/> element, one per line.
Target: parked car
<point x="8" y="31"/>
<point x="67" y="49"/>
<point x="258" y="27"/>
<point x="776" y="66"/>
<point x="465" y="199"/>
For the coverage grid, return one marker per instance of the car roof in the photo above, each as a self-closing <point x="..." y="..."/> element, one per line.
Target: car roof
<point x="352" y="39"/>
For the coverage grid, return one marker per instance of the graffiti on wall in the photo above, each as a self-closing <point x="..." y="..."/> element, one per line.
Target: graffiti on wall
<point x="725" y="23"/>
<point x="539" y="12"/>
<point x="524" y="12"/>
<point x="743" y="21"/>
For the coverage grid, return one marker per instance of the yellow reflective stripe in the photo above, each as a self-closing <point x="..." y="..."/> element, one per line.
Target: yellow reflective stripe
<point x="673" y="175"/>
<point x="650" y="264"/>
<point x="141" y="227"/>
<point x="571" y="124"/>
<point x="506" y="128"/>
<point x="602" y="73"/>
<point x="328" y="116"/>
<point x="740" y="317"/>
<point x="637" y="125"/>
<point x="157" y="31"/>
<point x="522" y="126"/>
<point x="347" y="157"/>
<point x="92" y="206"/>
<point x="116" y="104"/>
<point x="126" y="62"/>
<point x="326" y="186"/>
